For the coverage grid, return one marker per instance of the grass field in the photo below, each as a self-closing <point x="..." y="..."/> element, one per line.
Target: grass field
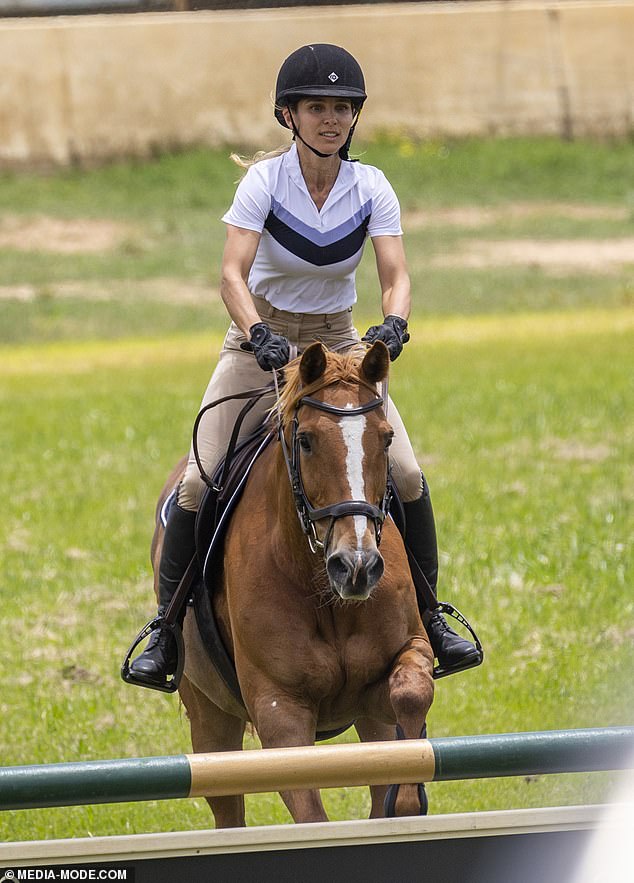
<point x="516" y="389"/>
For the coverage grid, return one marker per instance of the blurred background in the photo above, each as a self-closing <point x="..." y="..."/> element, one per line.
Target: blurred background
<point x="507" y="129"/>
<point x="87" y="88"/>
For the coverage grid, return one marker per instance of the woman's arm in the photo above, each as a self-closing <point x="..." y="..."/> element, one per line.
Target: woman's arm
<point x="391" y="265"/>
<point x="237" y="259"/>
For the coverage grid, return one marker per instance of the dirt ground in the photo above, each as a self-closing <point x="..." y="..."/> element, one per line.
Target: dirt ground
<point x="605" y="256"/>
<point x="62" y="236"/>
<point x="556" y="256"/>
<point x="162" y="290"/>
<point x="479" y="216"/>
<point x="551" y="255"/>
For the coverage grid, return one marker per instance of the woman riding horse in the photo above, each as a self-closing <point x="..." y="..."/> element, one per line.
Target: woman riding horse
<point x="295" y="235"/>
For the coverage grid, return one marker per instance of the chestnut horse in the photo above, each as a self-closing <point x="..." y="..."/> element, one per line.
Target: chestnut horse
<point x="320" y="638"/>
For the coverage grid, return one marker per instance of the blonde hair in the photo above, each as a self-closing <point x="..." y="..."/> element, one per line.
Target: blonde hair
<point x="246" y="162"/>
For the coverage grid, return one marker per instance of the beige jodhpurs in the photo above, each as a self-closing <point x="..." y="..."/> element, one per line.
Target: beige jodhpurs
<point x="238" y="371"/>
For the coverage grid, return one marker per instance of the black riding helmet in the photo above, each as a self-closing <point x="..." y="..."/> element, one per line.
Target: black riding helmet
<point x="320" y="69"/>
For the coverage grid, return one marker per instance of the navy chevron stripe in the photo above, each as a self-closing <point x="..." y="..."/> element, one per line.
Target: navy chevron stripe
<point x="320" y="237"/>
<point x="319" y="255"/>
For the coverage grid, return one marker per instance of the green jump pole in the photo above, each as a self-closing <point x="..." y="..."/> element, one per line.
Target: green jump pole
<point x="524" y="754"/>
<point x="95" y="781"/>
<point x="327" y="766"/>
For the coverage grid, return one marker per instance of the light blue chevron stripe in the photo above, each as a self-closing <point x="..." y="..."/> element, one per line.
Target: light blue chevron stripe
<point x="328" y="237"/>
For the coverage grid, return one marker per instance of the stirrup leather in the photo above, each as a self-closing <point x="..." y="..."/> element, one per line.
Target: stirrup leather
<point x="450" y="610"/>
<point x="171" y="684"/>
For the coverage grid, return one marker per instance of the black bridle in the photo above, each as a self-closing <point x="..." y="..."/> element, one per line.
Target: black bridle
<point x="306" y="512"/>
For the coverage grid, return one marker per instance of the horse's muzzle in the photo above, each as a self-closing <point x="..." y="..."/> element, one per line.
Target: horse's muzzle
<point x="353" y="574"/>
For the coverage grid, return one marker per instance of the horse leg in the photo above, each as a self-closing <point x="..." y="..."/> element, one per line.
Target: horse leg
<point x="411" y="689"/>
<point x="284" y="724"/>
<point x="212" y="729"/>
<point x="371" y="730"/>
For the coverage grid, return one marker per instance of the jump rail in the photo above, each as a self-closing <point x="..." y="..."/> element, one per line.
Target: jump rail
<point x="327" y="766"/>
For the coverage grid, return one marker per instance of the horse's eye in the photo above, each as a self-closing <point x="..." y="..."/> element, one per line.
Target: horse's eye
<point x="304" y="442"/>
<point x="388" y="440"/>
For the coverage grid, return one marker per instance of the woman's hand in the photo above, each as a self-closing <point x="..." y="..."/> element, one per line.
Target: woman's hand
<point x="270" y="350"/>
<point x="393" y="332"/>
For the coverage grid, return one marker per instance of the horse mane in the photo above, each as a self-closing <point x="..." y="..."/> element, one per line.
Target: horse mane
<point x="340" y="368"/>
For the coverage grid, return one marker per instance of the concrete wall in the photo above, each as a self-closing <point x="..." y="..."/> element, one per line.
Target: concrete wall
<point x="85" y="89"/>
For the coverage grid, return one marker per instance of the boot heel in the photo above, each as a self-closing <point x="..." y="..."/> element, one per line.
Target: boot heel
<point x="469" y="660"/>
<point x="170" y="685"/>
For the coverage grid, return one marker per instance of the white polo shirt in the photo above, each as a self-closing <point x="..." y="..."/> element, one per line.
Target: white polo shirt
<point x="307" y="259"/>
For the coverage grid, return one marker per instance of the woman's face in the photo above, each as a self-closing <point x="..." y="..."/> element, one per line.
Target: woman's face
<point x="323" y="122"/>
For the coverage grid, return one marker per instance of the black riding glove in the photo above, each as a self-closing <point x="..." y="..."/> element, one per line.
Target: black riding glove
<point x="393" y="332"/>
<point x="270" y="350"/>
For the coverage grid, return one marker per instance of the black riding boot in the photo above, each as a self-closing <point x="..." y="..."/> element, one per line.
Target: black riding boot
<point x="453" y="652"/>
<point x="160" y="657"/>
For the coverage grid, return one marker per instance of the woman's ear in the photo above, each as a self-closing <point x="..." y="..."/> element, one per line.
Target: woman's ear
<point x="287" y="116"/>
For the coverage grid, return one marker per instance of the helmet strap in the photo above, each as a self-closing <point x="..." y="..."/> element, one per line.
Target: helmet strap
<point x="297" y="135"/>
<point x="343" y="153"/>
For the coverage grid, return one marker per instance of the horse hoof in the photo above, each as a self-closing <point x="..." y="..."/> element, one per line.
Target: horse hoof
<point x="389" y="804"/>
<point x="424" y="802"/>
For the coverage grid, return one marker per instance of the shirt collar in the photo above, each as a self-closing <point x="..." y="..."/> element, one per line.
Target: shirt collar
<point x="346" y="179"/>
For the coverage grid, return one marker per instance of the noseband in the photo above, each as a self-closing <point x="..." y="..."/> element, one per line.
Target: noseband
<point x="306" y="512"/>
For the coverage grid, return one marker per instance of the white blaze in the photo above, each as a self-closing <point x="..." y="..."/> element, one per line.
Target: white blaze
<point x="352" y="429"/>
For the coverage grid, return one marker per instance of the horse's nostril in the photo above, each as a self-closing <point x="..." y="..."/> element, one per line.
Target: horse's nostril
<point x="338" y="568"/>
<point x="358" y="571"/>
<point x="375" y="567"/>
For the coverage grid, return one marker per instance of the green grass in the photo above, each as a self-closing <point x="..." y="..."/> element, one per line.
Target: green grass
<point x="523" y="437"/>
<point x="497" y="171"/>
<point x="444" y="172"/>
<point x="516" y="389"/>
<point x="171" y="208"/>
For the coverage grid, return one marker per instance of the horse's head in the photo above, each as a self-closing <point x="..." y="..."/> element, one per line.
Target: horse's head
<point x="336" y="439"/>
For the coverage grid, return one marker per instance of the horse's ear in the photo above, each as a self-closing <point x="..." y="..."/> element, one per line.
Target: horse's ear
<point x="376" y="363"/>
<point x="313" y="363"/>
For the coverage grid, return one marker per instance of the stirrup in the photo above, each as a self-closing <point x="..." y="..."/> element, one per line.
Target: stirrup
<point x="170" y="685"/>
<point x="470" y="662"/>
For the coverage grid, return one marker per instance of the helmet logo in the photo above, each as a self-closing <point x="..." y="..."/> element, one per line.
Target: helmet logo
<point x="333" y="77"/>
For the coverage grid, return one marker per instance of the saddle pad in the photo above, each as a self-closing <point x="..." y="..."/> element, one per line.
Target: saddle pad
<point x="213" y="519"/>
<point x="219" y="502"/>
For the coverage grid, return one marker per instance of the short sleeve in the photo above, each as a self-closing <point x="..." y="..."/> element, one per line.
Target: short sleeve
<point x="251" y="203"/>
<point x="386" y="211"/>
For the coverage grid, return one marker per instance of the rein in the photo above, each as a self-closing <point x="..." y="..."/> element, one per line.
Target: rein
<point x="253" y="395"/>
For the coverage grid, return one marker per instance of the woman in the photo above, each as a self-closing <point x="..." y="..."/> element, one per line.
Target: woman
<point x="295" y="235"/>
